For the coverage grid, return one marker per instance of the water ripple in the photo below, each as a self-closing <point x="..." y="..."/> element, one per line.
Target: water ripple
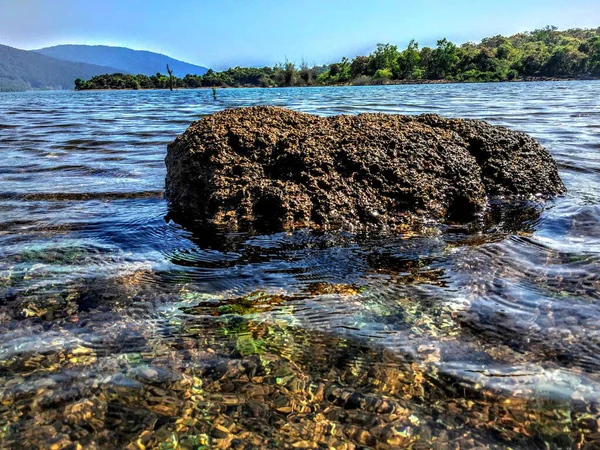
<point x="483" y="335"/>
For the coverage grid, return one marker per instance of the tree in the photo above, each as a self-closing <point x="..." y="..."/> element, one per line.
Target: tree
<point x="344" y="71"/>
<point x="533" y="56"/>
<point x="192" y="81"/>
<point x="426" y="56"/>
<point x="593" y="63"/>
<point x="485" y="60"/>
<point x="289" y="74"/>
<point x="444" y="58"/>
<point x="306" y="74"/>
<point x="170" y="72"/>
<point x="564" y="61"/>
<point x="546" y="52"/>
<point x="383" y="74"/>
<point x="506" y="51"/>
<point x="467" y="53"/>
<point x="360" y="66"/>
<point x="408" y="61"/>
<point x="384" y="57"/>
<point x="548" y="35"/>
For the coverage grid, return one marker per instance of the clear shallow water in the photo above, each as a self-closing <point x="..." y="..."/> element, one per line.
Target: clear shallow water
<point x="119" y="328"/>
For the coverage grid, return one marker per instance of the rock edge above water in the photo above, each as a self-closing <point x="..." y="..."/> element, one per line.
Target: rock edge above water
<point x="269" y="168"/>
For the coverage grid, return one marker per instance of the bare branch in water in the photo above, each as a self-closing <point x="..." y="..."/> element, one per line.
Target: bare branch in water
<point x="170" y="77"/>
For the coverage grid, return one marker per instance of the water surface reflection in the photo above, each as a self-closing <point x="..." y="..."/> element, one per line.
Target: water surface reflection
<point x="119" y="327"/>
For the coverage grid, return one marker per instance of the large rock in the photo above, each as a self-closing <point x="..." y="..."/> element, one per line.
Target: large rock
<point x="272" y="168"/>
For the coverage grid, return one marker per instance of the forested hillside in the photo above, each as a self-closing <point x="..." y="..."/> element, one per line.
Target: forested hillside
<point x="543" y="53"/>
<point x="124" y="59"/>
<point x="21" y="70"/>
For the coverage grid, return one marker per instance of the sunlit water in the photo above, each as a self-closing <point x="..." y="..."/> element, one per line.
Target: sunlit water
<point x="119" y="328"/>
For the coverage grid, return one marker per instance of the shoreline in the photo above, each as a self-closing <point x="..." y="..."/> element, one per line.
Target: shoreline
<point x="387" y="83"/>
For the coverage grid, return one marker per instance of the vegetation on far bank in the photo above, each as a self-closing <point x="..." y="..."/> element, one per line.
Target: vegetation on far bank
<point x="546" y="52"/>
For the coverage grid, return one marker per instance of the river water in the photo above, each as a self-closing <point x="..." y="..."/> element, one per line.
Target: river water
<point x="121" y="329"/>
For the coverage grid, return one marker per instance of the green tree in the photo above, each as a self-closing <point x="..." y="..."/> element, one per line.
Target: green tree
<point x="564" y="61"/>
<point x="547" y="52"/>
<point x="384" y="57"/>
<point x="306" y="74"/>
<point x="485" y="60"/>
<point x="286" y="74"/>
<point x="444" y="59"/>
<point x="340" y="72"/>
<point x="593" y="47"/>
<point x="360" y="66"/>
<point x="426" y="56"/>
<point x="408" y="62"/>
<point x="383" y="74"/>
<point x="548" y="35"/>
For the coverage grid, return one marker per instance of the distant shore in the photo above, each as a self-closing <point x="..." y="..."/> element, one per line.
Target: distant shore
<point x="545" y="54"/>
<point x="385" y="83"/>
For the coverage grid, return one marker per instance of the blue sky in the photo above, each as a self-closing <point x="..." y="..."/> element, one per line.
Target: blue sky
<point x="224" y="33"/>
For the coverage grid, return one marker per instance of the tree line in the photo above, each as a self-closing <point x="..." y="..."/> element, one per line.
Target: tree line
<point x="545" y="52"/>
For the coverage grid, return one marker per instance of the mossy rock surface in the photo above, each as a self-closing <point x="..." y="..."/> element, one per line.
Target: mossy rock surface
<point x="268" y="168"/>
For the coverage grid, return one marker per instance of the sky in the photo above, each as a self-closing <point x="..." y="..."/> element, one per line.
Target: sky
<point x="226" y="33"/>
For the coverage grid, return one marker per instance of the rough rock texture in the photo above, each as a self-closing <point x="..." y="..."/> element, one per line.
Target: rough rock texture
<point x="272" y="168"/>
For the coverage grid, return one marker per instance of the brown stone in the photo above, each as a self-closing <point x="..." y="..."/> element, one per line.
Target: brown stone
<point x="269" y="168"/>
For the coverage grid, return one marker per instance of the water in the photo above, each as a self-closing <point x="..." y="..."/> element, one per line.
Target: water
<point x="119" y="328"/>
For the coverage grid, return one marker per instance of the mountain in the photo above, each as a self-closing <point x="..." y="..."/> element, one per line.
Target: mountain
<point x="21" y="70"/>
<point x="125" y="59"/>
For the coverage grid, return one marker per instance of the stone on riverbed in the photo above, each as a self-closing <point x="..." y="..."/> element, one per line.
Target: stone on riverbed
<point x="268" y="168"/>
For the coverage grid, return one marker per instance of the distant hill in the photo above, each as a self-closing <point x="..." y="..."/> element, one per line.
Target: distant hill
<point x="125" y="59"/>
<point x="21" y="70"/>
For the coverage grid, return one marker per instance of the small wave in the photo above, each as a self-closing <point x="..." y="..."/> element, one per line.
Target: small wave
<point x="104" y="295"/>
<point x="79" y="196"/>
